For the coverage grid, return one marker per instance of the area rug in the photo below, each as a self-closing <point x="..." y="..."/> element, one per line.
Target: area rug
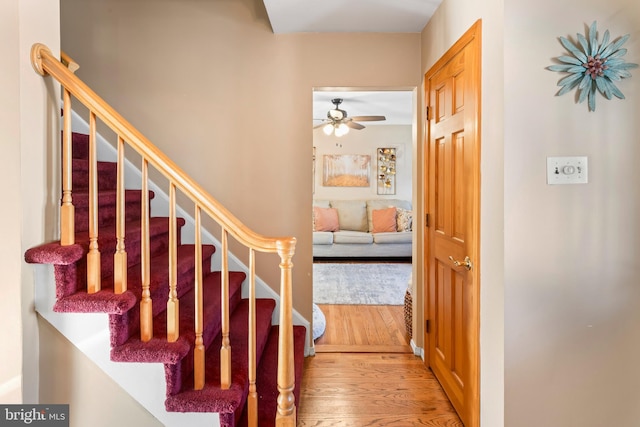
<point x="360" y="283"/>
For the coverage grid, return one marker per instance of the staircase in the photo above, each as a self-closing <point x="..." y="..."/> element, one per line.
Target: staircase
<point x="197" y="318"/>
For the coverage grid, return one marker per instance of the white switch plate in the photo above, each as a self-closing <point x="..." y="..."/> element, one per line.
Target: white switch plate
<point x="567" y="170"/>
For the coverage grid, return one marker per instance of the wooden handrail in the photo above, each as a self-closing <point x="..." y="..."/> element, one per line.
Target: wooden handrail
<point x="45" y="63"/>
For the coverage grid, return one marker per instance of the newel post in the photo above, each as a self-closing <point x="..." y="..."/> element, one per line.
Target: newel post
<point x="39" y="54"/>
<point x="286" y="413"/>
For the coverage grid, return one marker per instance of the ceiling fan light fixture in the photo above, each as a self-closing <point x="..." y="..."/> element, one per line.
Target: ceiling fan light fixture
<point x="336" y="114"/>
<point x="341" y="129"/>
<point x="339" y="123"/>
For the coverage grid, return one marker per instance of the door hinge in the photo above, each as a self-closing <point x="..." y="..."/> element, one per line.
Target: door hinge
<point x="426" y="220"/>
<point x="428" y="113"/>
<point x="427" y="325"/>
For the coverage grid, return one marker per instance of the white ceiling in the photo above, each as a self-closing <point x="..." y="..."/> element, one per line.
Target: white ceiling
<point x="331" y="16"/>
<point x="336" y="16"/>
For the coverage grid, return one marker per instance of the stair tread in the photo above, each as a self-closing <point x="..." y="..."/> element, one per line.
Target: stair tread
<point x="53" y="253"/>
<point x="105" y="301"/>
<point x="211" y="398"/>
<point x="158" y="349"/>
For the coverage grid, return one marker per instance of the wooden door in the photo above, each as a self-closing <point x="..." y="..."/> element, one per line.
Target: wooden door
<point x="452" y="308"/>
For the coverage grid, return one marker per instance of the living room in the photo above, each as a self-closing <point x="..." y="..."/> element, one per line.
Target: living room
<point x="362" y="209"/>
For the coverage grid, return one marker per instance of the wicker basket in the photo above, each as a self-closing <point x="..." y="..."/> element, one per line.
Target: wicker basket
<point x="408" y="313"/>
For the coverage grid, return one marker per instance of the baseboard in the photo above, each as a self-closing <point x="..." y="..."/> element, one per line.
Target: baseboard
<point x="418" y="351"/>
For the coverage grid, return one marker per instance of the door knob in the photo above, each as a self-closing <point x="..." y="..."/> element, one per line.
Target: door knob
<point x="466" y="263"/>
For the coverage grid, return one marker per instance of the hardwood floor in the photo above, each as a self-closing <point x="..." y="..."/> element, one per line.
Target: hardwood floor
<point x="364" y="328"/>
<point x="364" y="374"/>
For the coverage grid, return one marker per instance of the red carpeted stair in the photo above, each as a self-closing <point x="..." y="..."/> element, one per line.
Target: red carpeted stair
<point x="124" y="316"/>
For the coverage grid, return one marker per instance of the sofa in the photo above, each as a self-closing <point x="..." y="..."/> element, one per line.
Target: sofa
<point x="362" y="228"/>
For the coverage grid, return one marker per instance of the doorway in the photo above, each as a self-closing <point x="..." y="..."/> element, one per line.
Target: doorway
<point x="378" y="156"/>
<point x="452" y="241"/>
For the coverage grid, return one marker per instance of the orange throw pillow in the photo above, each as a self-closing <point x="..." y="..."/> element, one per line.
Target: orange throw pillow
<point x="325" y="219"/>
<point x="384" y="220"/>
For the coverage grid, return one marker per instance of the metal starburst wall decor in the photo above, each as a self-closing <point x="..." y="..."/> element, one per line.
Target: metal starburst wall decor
<point x="594" y="66"/>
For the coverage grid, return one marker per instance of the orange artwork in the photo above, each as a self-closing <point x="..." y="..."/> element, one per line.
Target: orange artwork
<point x="346" y="170"/>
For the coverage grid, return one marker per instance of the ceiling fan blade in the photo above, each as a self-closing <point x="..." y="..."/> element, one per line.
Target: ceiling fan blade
<point x="320" y="125"/>
<point x="368" y="118"/>
<point x="354" y="125"/>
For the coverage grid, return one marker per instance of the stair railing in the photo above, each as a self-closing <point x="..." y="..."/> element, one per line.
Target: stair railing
<point x="45" y="63"/>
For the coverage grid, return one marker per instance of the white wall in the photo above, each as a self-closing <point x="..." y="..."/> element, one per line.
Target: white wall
<point x="30" y="173"/>
<point x="10" y="259"/>
<point x="366" y="141"/>
<point x="572" y="295"/>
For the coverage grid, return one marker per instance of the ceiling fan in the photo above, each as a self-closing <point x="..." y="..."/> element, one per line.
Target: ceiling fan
<point x="338" y="122"/>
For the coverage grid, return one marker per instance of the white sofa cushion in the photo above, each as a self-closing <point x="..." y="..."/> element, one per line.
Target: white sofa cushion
<point x="392" y="237"/>
<point x="322" y="237"/>
<point x="352" y="214"/>
<point x="352" y="237"/>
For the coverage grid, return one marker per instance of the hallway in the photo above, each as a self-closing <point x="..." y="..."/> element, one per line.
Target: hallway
<point x="386" y="386"/>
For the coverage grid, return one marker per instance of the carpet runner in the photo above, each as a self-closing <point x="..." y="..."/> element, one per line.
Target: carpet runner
<point x="124" y="316"/>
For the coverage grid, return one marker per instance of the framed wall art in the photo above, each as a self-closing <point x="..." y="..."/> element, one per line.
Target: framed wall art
<point x="346" y="170"/>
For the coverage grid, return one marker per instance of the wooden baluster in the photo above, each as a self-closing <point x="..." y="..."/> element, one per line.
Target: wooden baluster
<point x="120" y="257"/>
<point x="146" y="308"/>
<point x="286" y="413"/>
<point x="67" y="210"/>
<point x="198" y="354"/>
<point x="93" y="257"/>
<point x="225" y="350"/>
<point x="173" y="308"/>
<point x="252" y="399"/>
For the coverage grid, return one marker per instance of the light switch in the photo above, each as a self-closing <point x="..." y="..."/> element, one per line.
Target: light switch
<point x="567" y="170"/>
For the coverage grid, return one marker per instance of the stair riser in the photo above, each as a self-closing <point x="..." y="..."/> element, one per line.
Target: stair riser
<point x="227" y="402"/>
<point x="69" y="280"/>
<point x="107" y="175"/>
<point x="72" y="278"/>
<point x="79" y="146"/>
<point x="178" y="374"/>
<point x="158" y="244"/>
<point x="127" y="325"/>
<point x="107" y="214"/>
